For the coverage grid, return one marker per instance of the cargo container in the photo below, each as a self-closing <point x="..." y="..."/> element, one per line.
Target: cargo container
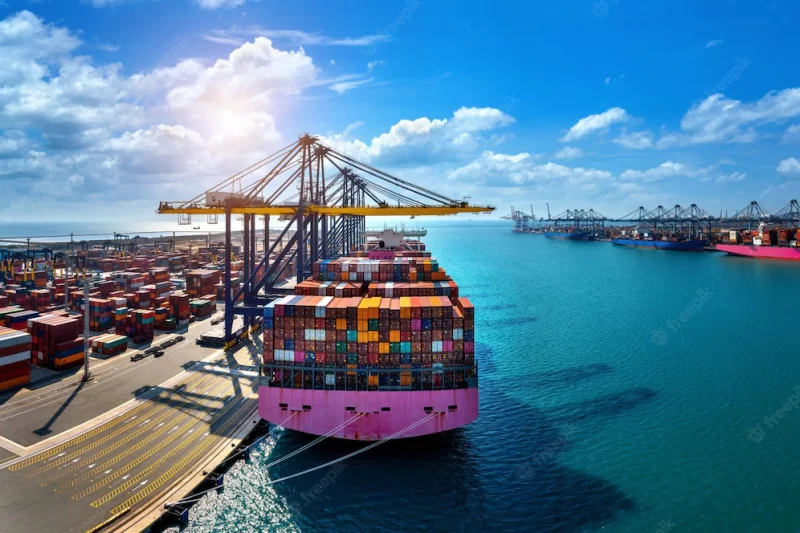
<point x="15" y="354"/>
<point x="109" y="344"/>
<point x="395" y="345"/>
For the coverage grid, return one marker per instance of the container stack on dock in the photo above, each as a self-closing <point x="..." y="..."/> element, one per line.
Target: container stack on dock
<point x="19" y="320"/>
<point x="179" y="308"/>
<point x="202" y="308"/>
<point x="201" y="282"/>
<point x="15" y="354"/>
<point x="109" y="344"/>
<point x="56" y="341"/>
<point x="101" y="314"/>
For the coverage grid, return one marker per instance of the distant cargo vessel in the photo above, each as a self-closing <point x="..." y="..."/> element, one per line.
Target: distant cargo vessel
<point x="761" y="252"/>
<point x="372" y="345"/>
<point x="569" y="235"/>
<point x="682" y="246"/>
<point x="761" y="243"/>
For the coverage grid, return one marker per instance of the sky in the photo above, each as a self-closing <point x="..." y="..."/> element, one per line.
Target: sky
<point x="109" y="106"/>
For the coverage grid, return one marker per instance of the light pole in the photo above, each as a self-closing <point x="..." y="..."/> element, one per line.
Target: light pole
<point x="87" y="376"/>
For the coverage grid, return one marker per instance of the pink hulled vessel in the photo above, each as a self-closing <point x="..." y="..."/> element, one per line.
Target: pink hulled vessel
<point x="375" y="345"/>
<point x="790" y="253"/>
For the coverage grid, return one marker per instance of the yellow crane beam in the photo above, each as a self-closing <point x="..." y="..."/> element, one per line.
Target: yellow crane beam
<point x="327" y="210"/>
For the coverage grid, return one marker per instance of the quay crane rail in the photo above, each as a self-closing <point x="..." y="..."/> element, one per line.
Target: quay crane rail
<point x="324" y="195"/>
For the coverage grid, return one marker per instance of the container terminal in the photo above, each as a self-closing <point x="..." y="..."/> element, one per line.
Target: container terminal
<point x="751" y="232"/>
<point x="135" y="369"/>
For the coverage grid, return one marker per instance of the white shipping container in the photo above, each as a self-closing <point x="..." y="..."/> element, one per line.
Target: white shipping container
<point x="15" y="358"/>
<point x="330" y="379"/>
<point x="757" y="241"/>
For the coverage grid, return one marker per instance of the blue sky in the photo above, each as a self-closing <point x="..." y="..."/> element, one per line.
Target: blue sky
<point x="606" y="105"/>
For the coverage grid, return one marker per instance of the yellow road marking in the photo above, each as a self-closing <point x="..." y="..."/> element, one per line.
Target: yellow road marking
<point x="77" y="453"/>
<point x="137" y="446"/>
<point x="77" y="440"/>
<point x="127" y="467"/>
<point x="135" y="479"/>
<point x="150" y="487"/>
<point x="81" y="438"/>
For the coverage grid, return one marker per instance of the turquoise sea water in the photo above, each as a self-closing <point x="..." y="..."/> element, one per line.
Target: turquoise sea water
<point x="621" y="391"/>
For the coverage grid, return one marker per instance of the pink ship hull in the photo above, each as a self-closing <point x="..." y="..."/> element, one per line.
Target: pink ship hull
<point x="329" y="409"/>
<point x="761" y="252"/>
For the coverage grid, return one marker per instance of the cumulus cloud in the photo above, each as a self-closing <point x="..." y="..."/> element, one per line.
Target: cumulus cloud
<point x="69" y="123"/>
<point x="731" y="178"/>
<point x="718" y="119"/>
<point x="423" y="140"/>
<point x="595" y="123"/>
<point x="792" y="134"/>
<point x="665" y="171"/>
<point x="518" y="169"/>
<point x="637" y="140"/>
<point x="569" y="152"/>
<point x="789" y="166"/>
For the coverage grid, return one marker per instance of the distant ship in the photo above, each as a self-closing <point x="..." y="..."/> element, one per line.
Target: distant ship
<point x="196" y="227"/>
<point x="681" y="246"/>
<point x="761" y="252"/>
<point x="569" y="235"/>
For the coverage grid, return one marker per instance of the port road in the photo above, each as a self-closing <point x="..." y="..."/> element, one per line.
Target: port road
<point x="139" y="436"/>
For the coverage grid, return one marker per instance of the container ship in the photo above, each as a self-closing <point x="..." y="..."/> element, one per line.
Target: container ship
<point x="764" y="243"/>
<point x="689" y="245"/>
<point x="372" y="344"/>
<point x="569" y="235"/>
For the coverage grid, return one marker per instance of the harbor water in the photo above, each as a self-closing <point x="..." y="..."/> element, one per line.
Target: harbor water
<point x="622" y="390"/>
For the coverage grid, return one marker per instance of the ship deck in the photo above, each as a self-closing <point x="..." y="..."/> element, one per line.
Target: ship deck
<point x="75" y="456"/>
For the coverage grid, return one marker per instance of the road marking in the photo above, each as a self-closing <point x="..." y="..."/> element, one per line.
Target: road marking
<point x="205" y="443"/>
<point x="77" y="440"/>
<point x="125" y="453"/>
<point x="114" y="434"/>
<point x="167" y="411"/>
<point x="140" y="459"/>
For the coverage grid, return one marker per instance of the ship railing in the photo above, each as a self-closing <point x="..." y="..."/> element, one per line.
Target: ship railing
<point x="358" y="379"/>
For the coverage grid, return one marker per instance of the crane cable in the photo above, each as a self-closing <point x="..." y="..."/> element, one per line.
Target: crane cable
<point x="199" y="496"/>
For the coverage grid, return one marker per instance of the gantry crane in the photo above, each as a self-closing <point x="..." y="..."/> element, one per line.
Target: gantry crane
<point x="324" y="195"/>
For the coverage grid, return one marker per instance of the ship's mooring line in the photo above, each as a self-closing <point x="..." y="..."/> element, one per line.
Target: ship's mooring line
<point x="199" y="496"/>
<point x="319" y="439"/>
<point x="353" y="454"/>
<point x="259" y="439"/>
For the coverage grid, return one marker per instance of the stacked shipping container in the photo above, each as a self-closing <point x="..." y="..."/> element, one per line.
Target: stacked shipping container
<point x="389" y="325"/>
<point x="15" y="354"/>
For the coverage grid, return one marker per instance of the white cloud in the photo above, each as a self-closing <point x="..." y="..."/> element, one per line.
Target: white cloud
<point x="513" y="170"/>
<point x="607" y="81"/>
<point x="718" y="119"/>
<point x="108" y="47"/>
<point x="731" y="178"/>
<point x="569" y="152"/>
<point x="792" y="134"/>
<point x="636" y="140"/>
<point x="216" y="4"/>
<point x="373" y="64"/>
<point x="303" y="38"/>
<point x="713" y="43"/>
<point x="251" y="77"/>
<point x="424" y="140"/>
<point x="595" y="123"/>
<point x="224" y="40"/>
<point x="344" y="86"/>
<point x="333" y="63"/>
<point x="789" y="166"/>
<point x="665" y="171"/>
